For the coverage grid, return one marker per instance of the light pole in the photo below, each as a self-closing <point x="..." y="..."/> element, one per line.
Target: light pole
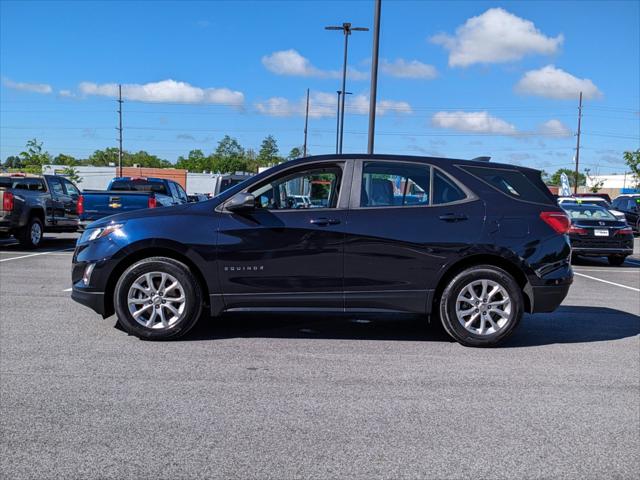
<point x="374" y="75"/>
<point x="338" y="120"/>
<point x="346" y="29"/>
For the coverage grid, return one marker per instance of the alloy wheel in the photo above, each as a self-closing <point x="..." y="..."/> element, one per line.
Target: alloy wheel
<point x="483" y="307"/>
<point x="35" y="233"/>
<point x="156" y="300"/>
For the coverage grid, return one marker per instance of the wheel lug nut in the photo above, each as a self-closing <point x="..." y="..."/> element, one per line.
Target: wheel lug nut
<point x="477" y="310"/>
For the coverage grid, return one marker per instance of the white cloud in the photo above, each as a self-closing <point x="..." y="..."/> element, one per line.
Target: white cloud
<point x="408" y="69"/>
<point x="28" y="87"/>
<point x="473" y="122"/>
<point x="552" y="82"/>
<point x="323" y="104"/>
<point x="554" y="128"/>
<point x="165" y="91"/>
<point x="496" y="36"/>
<point x="290" y="62"/>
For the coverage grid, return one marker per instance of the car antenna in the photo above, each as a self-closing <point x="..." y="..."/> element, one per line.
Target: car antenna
<point x="481" y="159"/>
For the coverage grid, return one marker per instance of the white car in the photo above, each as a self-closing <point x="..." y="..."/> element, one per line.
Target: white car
<point x="601" y="202"/>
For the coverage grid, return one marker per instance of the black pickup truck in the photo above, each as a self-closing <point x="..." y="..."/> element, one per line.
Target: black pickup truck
<point x="32" y="204"/>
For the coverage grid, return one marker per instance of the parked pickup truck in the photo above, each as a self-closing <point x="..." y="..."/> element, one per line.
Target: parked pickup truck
<point x="32" y="205"/>
<point x="125" y="194"/>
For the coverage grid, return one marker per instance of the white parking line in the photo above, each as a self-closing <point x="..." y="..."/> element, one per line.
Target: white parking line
<point x="36" y="254"/>
<point x="607" y="281"/>
<point x="609" y="270"/>
<point x="67" y="289"/>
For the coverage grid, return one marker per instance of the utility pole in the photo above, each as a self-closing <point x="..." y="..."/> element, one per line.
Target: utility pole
<point x="346" y="29"/>
<point x="575" y="184"/>
<point x="120" y="129"/>
<point x="374" y="75"/>
<point x="306" y="124"/>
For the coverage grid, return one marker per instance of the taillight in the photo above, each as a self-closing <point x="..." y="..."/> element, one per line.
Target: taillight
<point x="624" y="231"/>
<point x="80" y="205"/>
<point x="7" y="201"/>
<point x="152" y="202"/>
<point x="577" y="231"/>
<point x="556" y="220"/>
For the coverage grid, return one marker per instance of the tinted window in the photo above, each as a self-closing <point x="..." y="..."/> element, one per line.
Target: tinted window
<point x="318" y="187"/>
<point x="394" y="184"/>
<point x="227" y="183"/>
<point x="33" y="184"/>
<point x="181" y="193"/>
<point x="71" y="188"/>
<point x="56" y="186"/>
<point x="445" y="190"/>
<point x="139" y="185"/>
<point x="511" y="182"/>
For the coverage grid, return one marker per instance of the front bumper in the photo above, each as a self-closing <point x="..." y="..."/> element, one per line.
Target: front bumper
<point x="93" y="300"/>
<point x="600" y="252"/>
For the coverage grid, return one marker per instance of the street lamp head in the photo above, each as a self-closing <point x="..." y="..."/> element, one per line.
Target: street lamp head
<point x="333" y="28"/>
<point x="360" y="29"/>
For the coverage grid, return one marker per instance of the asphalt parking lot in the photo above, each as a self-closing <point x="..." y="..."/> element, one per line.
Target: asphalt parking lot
<point x="301" y="396"/>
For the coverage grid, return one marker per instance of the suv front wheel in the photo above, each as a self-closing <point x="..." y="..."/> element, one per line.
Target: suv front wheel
<point x="481" y="306"/>
<point x="158" y="299"/>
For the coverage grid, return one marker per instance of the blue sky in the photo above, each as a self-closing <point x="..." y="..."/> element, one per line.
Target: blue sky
<point x="458" y="79"/>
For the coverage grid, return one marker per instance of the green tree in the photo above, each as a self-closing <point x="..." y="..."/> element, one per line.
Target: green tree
<point x="13" y="161"/>
<point x="229" y="156"/>
<point x="72" y="174"/>
<point x="196" y="161"/>
<point x="296" y="152"/>
<point x="555" y="178"/>
<point x="103" y="158"/>
<point x="268" y="153"/>
<point x="34" y="156"/>
<point x="144" y="159"/>
<point x="64" y="159"/>
<point x="632" y="160"/>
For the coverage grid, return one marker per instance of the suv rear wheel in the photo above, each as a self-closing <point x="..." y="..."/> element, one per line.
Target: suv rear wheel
<point x="481" y="306"/>
<point x="158" y="299"/>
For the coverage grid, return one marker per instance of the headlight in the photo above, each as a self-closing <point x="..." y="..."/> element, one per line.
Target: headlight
<point x="95" y="233"/>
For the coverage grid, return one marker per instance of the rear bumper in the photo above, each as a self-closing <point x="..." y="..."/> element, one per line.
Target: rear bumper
<point x="93" y="300"/>
<point x="548" y="298"/>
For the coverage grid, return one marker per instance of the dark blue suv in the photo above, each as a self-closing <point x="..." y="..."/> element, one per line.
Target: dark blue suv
<point x="472" y="243"/>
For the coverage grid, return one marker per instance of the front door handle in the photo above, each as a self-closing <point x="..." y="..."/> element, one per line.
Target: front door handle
<point x="323" y="221"/>
<point x="453" y="217"/>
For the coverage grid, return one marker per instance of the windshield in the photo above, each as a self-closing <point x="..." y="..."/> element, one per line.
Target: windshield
<point x="600" y="203"/>
<point x="587" y="212"/>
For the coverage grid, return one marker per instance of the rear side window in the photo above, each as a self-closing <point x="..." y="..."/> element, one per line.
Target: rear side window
<point x="394" y="184"/>
<point x="444" y="190"/>
<point x="511" y="182"/>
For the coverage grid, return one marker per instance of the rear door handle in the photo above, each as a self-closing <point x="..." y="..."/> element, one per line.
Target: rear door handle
<point x="453" y="217"/>
<point x="323" y="221"/>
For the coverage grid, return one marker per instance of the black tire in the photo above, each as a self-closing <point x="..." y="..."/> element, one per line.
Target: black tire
<point x="24" y="236"/>
<point x="192" y="293"/>
<point x="450" y="294"/>
<point x="616" y="260"/>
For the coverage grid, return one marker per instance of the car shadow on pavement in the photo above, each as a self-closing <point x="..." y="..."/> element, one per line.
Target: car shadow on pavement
<point x="574" y="324"/>
<point x="569" y="324"/>
<point x="48" y="244"/>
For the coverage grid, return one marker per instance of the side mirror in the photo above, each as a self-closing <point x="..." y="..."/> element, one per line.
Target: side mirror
<point x="241" y="202"/>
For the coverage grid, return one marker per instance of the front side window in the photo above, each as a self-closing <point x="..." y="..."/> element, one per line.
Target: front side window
<point x="394" y="184"/>
<point x="317" y="188"/>
<point x="56" y="186"/>
<point x="71" y="188"/>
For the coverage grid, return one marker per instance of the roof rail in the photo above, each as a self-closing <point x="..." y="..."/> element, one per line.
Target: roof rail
<point x="481" y="159"/>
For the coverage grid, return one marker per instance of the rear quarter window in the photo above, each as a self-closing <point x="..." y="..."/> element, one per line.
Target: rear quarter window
<point x="513" y="183"/>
